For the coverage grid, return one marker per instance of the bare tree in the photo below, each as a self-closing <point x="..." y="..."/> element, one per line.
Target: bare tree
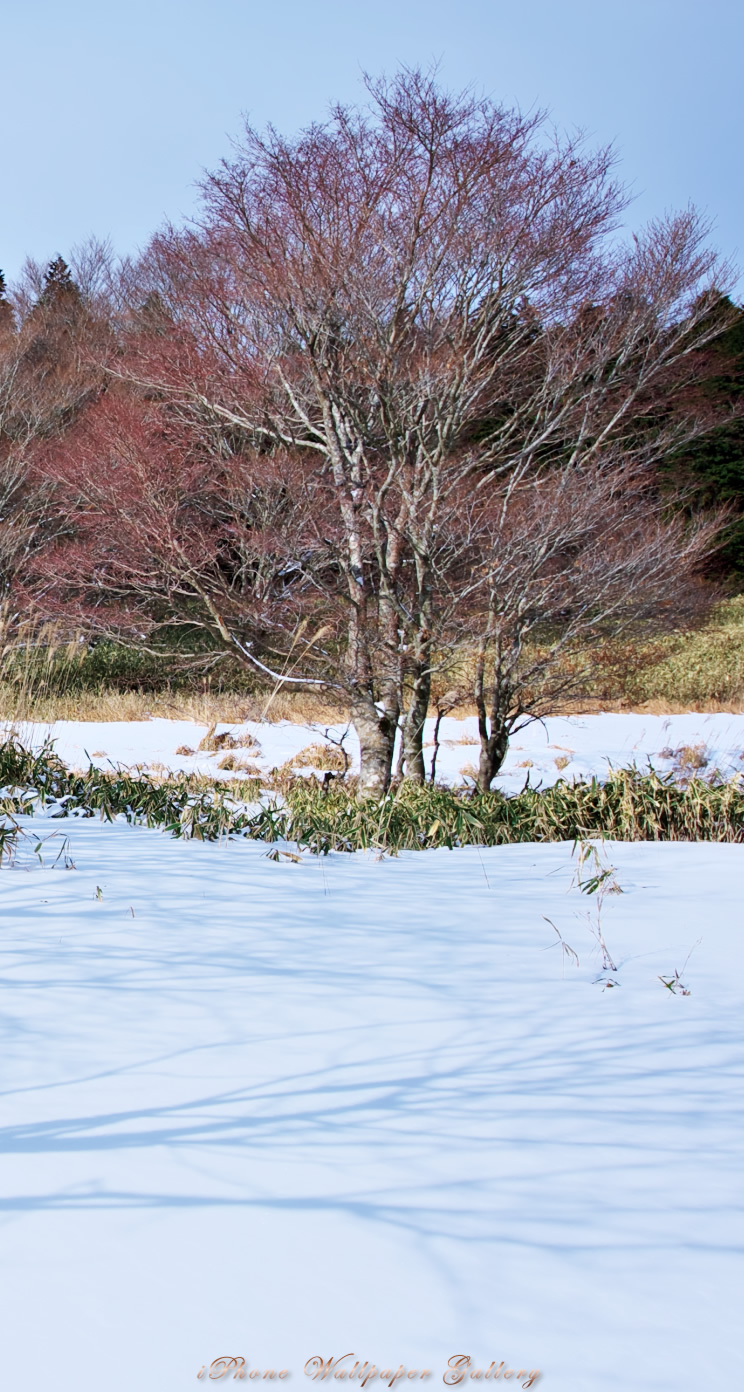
<point x="560" y="562"/>
<point x="418" y="300"/>
<point x="390" y="343"/>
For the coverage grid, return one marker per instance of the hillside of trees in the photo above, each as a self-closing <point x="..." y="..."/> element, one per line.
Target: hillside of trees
<point x="710" y="469"/>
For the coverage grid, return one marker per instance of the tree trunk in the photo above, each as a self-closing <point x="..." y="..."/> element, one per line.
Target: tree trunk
<point x="413" y="728"/>
<point x="493" y="732"/>
<point x="400" y="761"/>
<point x="387" y="712"/>
<point x="435" y="751"/>
<point x="492" y="754"/>
<point x="376" y="735"/>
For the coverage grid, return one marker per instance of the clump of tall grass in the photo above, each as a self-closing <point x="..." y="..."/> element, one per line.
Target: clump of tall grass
<point x="34" y="659"/>
<point x="629" y="805"/>
<point x="46" y="674"/>
<point x="321" y="756"/>
<point x="183" y="805"/>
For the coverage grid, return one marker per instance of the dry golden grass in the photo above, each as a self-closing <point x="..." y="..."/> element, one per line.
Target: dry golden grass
<point x="108" y="704"/>
<point x="231" y="764"/>
<point x="706" y="705"/>
<point x="213" y="743"/>
<point x="469" y="771"/>
<point x="689" y="759"/>
<point x="41" y="680"/>
<point x="701" y="670"/>
<point x="622" y="703"/>
<point x="324" y="757"/>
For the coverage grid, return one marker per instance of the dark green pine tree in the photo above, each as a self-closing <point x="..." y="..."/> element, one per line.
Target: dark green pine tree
<point x="712" y="467"/>
<point x="7" y="317"/>
<point x="60" y="291"/>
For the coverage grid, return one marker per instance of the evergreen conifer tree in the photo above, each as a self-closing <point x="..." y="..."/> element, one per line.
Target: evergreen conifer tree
<point x="60" y="290"/>
<point x="7" y="317"/>
<point x="712" y="466"/>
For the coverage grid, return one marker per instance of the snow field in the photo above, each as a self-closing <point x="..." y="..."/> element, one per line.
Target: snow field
<point x="560" y="747"/>
<point x="280" y="1110"/>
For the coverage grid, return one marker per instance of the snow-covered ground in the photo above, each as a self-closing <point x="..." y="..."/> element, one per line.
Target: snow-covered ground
<point x="560" y="747"/>
<point x="280" y="1110"/>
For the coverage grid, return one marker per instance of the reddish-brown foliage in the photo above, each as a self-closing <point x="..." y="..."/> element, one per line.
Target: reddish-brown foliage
<point x="400" y="394"/>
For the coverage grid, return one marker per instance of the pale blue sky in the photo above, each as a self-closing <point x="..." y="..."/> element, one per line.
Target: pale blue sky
<point x="109" y="113"/>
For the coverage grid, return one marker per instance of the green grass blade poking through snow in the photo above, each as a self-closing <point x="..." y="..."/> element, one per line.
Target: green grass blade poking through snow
<point x="629" y="805"/>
